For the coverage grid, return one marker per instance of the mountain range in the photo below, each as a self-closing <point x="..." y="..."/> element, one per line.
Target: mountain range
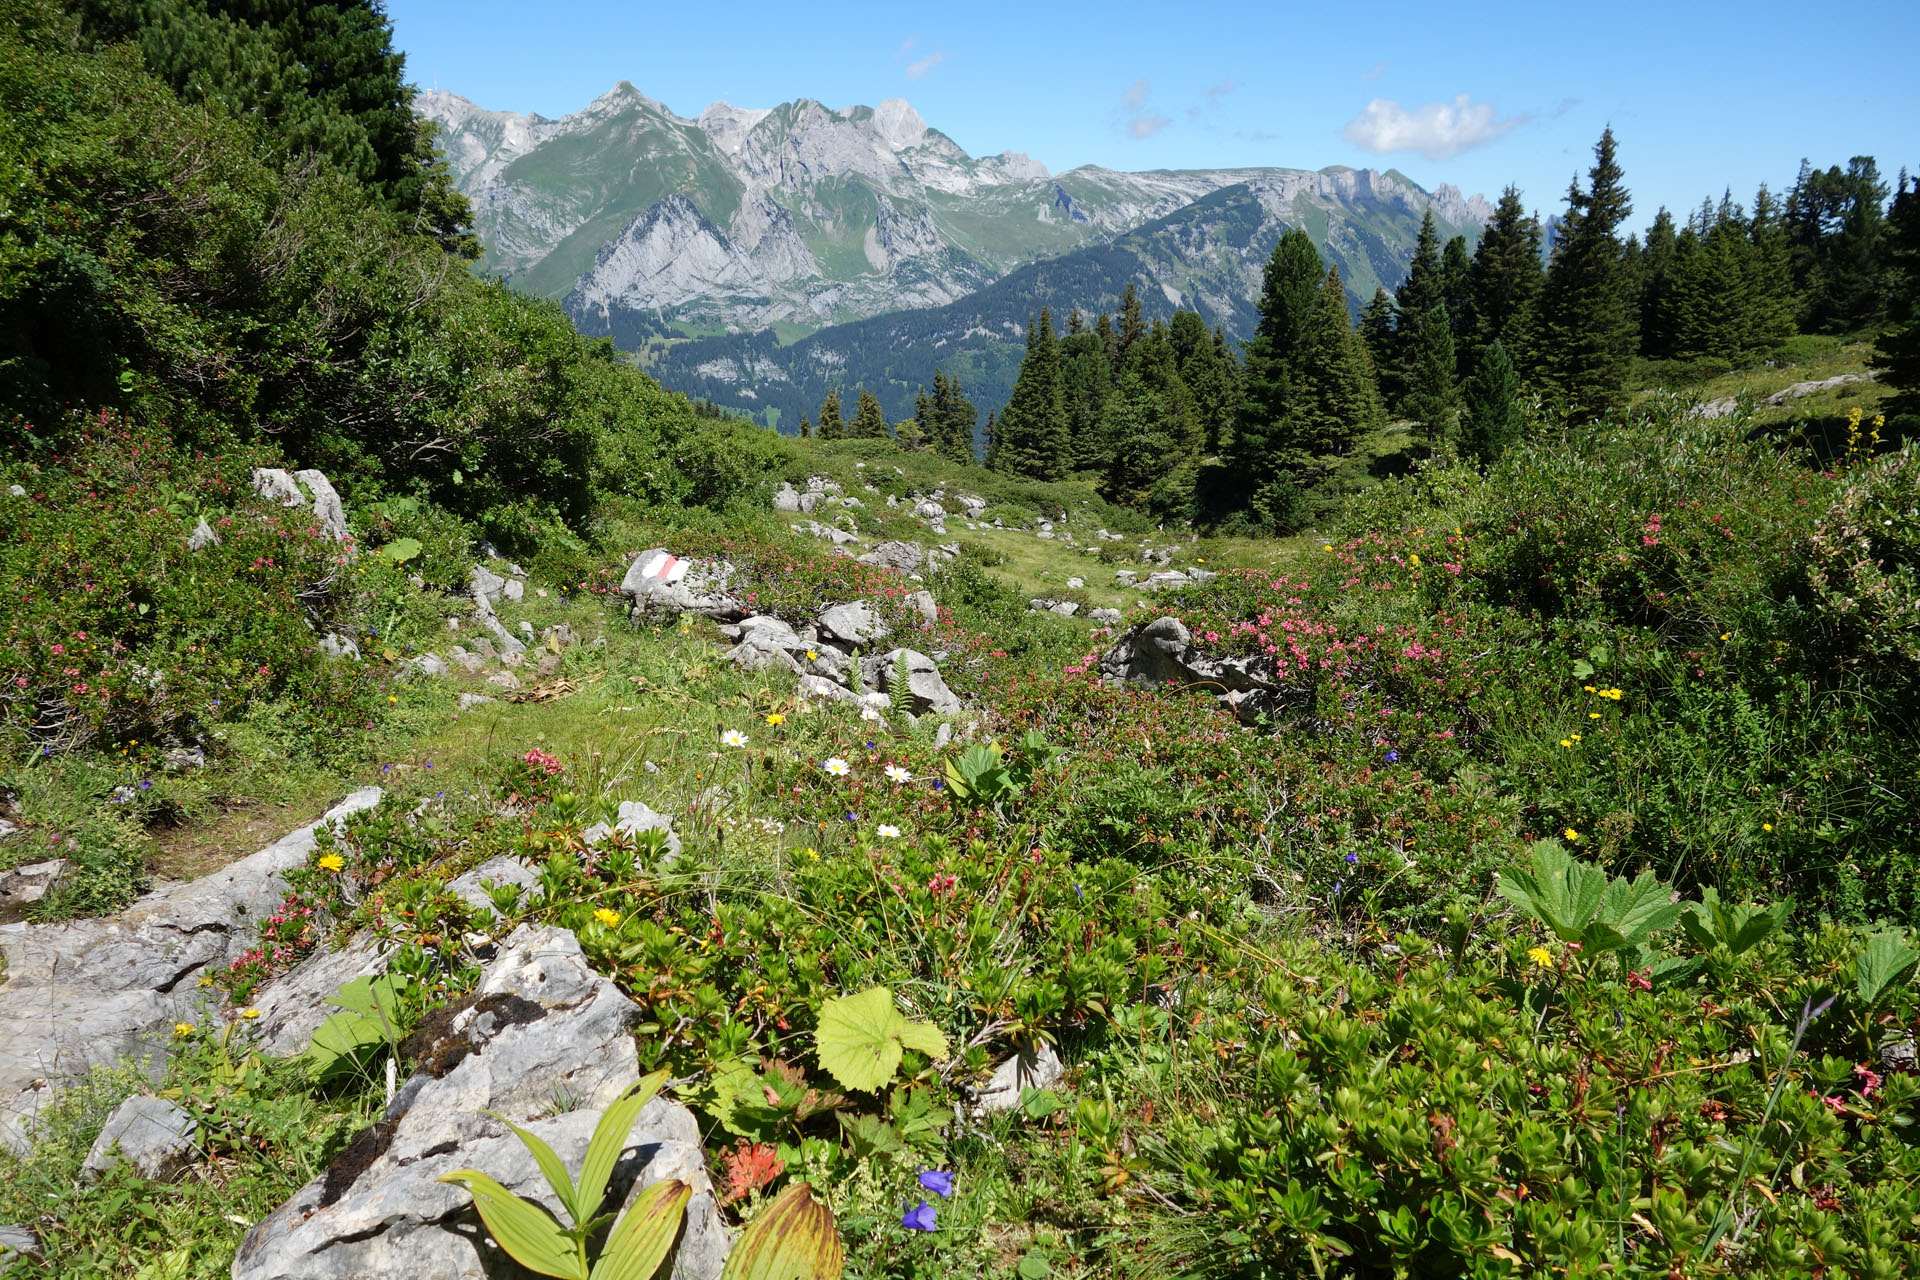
<point x="758" y="256"/>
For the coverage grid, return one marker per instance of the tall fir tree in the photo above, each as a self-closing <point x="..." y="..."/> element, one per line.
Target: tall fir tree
<point x="1770" y="298"/>
<point x="1034" y="439"/>
<point x="1266" y="426"/>
<point x="1588" y="331"/>
<point x="1376" y="327"/>
<point x="1492" y="419"/>
<point x="828" y="424"/>
<point x="1076" y="323"/>
<point x="1456" y="270"/>
<point x="1086" y="380"/>
<point x="1131" y="329"/>
<point x="1656" y="281"/>
<point x="1505" y="279"/>
<point x="1430" y="393"/>
<point x="869" y="420"/>
<point x="1898" y="354"/>
<point x="1424" y="289"/>
<point x="1835" y="223"/>
<point x="1342" y="400"/>
<point x="806" y="427"/>
<point x="992" y="454"/>
<point x="954" y="419"/>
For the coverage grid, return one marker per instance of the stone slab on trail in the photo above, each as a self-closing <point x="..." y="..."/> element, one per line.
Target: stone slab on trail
<point x="92" y="992"/>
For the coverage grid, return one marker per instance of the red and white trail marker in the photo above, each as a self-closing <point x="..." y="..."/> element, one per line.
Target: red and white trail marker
<point x="664" y="568"/>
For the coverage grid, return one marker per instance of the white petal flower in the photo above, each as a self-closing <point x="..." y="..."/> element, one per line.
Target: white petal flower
<point x="897" y="774"/>
<point x="837" y="767"/>
<point x="889" y="832"/>
<point x="868" y="713"/>
<point x="734" y="738"/>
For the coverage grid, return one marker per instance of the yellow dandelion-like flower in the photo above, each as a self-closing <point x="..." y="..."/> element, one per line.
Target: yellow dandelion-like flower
<point x="1766" y="826"/>
<point x="206" y="979"/>
<point x="1589" y="688"/>
<point x="1414" y="561"/>
<point x="607" y="917"/>
<point x="1566" y="742"/>
<point x="249" y="1013"/>
<point x="1541" y="957"/>
<point x="1726" y="635"/>
<point x="1571" y="834"/>
<point x="1593" y="715"/>
<point x="812" y="656"/>
<point x="776" y="718"/>
<point x="1327" y="547"/>
<point x="183" y="1029"/>
<point x="813" y="853"/>
<point x="331" y="862"/>
<point x="1574" y="736"/>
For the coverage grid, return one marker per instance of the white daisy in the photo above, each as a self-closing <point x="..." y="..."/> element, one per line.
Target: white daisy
<point x="889" y="831"/>
<point x="734" y="738"/>
<point x="897" y="774"/>
<point x="837" y="767"/>
<point x="868" y="713"/>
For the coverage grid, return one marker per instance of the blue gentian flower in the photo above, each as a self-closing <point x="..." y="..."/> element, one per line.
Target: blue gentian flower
<point x="1352" y="858"/>
<point x="918" y="1218"/>
<point x="1392" y="756"/>
<point x="938" y="1181"/>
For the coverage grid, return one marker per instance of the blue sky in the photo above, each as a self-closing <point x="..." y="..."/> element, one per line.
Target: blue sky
<point x="1701" y="96"/>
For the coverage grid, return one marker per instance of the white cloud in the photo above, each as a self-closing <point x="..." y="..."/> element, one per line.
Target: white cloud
<point x="1437" y="130"/>
<point x="919" y="69"/>
<point x="1371" y="76"/>
<point x="1215" y="92"/>
<point x="906" y="47"/>
<point x="1133" y="115"/>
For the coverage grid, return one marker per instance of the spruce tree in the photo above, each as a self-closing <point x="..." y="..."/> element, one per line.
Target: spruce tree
<point x="829" y="425"/>
<point x="1137" y="442"/>
<point x="1424" y="289"/>
<point x="1588" y="330"/>
<point x="806" y="427"/>
<point x="954" y="419"/>
<point x="1656" y="281"/>
<point x="1456" y="270"/>
<point x="992" y="458"/>
<point x="1076" y="323"/>
<point x="1835" y="226"/>
<point x="1770" y="299"/>
<point x="1034" y="439"/>
<point x="1132" y="327"/>
<point x="1342" y="400"/>
<point x="1430" y="393"/>
<point x="1505" y="278"/>
<point x="869" y="420"/>
<point x="1376" y="327"/>
<point x="1898" y="354"/>
<point x="1266" y="426"/>
<point x="1492" y="419"/>
<point x="1086" y="381"/>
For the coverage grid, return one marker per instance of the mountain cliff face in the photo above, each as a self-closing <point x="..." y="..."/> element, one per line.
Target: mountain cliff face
<point x="647" y="224"/>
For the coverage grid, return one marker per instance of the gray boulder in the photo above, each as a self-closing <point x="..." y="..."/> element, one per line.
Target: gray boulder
<point x="152" y="1137"/>
<point x="908" y="557"/>
<point x="335" y="645"/>
<point x="1075" y="584"/>
<point x="485" y="586"/>
<point x="541" y="1032"/>
<point x="630" y="820"/>
<point x="853" y="624"/>
<point x="927" y="690"/>
<point x="1028" y="1069"/>
<point x="929" y="510"/>
<point x="427" y="664"/>
<point x="326" y="505"/>
<point x="921" y="602"/>
<point x="202" y="536"/>
<point x="515" y="590"/>
<point x="786" y="498"/>
<point x="757" y="651"/>
<point x="770" y="630"/>
<point x="467" y="662"/>
<point x="704" y="589"/>
<point x="27" y="884"/>
<point x="832" y="533"/>
<point x="1105" y="617"/>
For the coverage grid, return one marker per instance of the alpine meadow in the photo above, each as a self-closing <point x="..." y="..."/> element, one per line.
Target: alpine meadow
<point x="752" y="693"/>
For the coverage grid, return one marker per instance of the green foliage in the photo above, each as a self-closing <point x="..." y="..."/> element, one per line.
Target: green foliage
<point x="1492" y="419"/>
<point x="1578" y="903"/>
<point x="529" y="1234"/>
<point x="1885" y="961"/>
<point x="1035" y="436"/>
<point x="861" y="1038"/>
<point x="1588" y="330"/>
<point x="1711" y="923"/>
<point x="376" y="1017"/>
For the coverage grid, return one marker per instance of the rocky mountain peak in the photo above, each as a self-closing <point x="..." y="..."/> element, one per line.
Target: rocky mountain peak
<point x="898" y="123"/>
<point x="729" y="125"/>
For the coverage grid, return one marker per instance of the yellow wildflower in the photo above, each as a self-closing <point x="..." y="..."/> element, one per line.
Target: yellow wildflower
<point x="249" y="1013"/>
<point x="1566" y="742"/>
<point x="812" y="656"/>
<point x="1571" y="834"/>
<point x="1574" y="736"/>
<point x="813" y="853"/>
<point x="331" y="862"/>
<point x="1593" y="715"/>
<point x="1541" y="957"/>
<point x="1327" y="547"/>
<point x="776" y="718"/>
<point x="607" y="917"/>
<point x="1414" y="561"/>
<point x="1766" y="826"/>
<point x="183" y="1029"/>
<point x="1589" y="688"/>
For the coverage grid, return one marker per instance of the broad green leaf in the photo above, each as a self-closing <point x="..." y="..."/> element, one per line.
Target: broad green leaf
<point x="551" y="1168"/>
<point x="401" y="550"/>
<point x="859" y="1038"/>
<point x="640" y="1243"/>
<point x="870" y="1136"/>
<point x="610" y="1139"/>
<point x="1638" y="909"/>
<point x="1881" y="965"/>
<point x="1582" y="669"/>
<point x="524" y="1229"/>
<point x="793" y="1239"/>
<point x="924" y="1037"/>
<point x="1558" y="892"/>
<point x="344" y="1043"/>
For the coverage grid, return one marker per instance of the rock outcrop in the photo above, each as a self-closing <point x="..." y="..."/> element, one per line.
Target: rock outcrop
<point x="93" y="992"/>
<point x="541" y="1030"/>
